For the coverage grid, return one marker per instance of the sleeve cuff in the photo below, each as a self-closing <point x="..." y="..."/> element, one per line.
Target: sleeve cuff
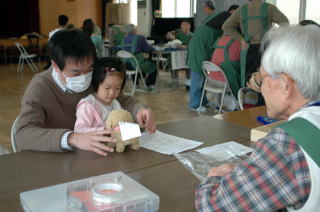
<point x="64" y="141"/>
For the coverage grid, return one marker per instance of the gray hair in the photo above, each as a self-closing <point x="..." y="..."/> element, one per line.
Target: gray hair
<point x="295" y="51"/>
<point x="130" y="28"/>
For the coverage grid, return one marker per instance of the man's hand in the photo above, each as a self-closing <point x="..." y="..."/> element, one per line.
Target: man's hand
<point x="92" y="141"/>
<point x="145" y="120"/>
<point x="221" y="170"/>
<point x="253" y="82"/>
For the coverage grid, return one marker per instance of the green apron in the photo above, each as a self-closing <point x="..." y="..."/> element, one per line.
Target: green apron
<point x="230" y="68"/>
<point x="245" y="22"/>
<point x="306" y="135"/>
<point x="146" y="66"/>
<point x="119" y="36"/>
<point x="183" y="37"/>
<point x="200" y="46"/>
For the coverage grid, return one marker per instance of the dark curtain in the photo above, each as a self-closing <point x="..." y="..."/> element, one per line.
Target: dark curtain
<point x="154" y="6"/>
<point x="19" y="17"/>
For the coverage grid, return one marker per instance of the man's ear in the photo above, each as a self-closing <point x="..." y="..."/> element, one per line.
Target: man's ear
<point x="288" y="85"/>
<point x="55" y="66"/>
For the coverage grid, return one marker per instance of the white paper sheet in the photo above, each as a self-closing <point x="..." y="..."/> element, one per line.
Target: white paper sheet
<point x="166" y="144"/>
<point x="129" y="130"/>
<point x="226" y="150"/>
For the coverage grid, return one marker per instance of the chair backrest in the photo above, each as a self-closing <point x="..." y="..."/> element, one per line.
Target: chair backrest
<point x="247" y="98"/>
<point x="13" y="134"/>
<point x="127" y="56"/>
<point x="33" y="41"/>
<point x="213" y="72"/>
<point x="21" y="49"/>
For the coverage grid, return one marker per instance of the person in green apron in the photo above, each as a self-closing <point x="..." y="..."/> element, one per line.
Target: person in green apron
<point x="226" y="55"/>
<point x="184" y="34"/>
<point x="200" y="49"/>
<point x="253" y="19"/>
<point x="282" y="172"/>
<point x="137" y="45"/>
<point x="116" y="34"/>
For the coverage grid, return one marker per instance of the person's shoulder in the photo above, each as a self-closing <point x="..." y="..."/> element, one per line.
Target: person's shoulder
<point x="141" y="37"/>
<point x="90" y="99"/>
<point x="41" y="79"/>
<point x="280" y="140"/>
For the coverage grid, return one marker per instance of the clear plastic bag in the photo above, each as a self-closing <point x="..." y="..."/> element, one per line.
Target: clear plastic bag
<point x="200" y="164"/>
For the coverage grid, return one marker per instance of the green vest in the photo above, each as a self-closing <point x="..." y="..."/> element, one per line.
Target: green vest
<point x="245" y="22"/>
<point x="306" y="136"/>
<point x="119" y="36"/>
<point x="145" y="65"/>
<point x="200" y="46"/>
<point x="230" y="68"/>
<point x="183" y="37"/>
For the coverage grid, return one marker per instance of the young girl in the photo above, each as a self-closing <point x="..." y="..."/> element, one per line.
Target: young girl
<point x="108" y="80"/>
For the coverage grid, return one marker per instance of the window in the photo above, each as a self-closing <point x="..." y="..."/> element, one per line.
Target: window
<point x="176" y="8"/>
<point x="292" y="11"/>
<point x="312" y="10"/>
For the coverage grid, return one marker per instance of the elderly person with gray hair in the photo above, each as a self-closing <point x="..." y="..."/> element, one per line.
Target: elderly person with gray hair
<point x="283" y="170"/>
<point x="137" y="45"/>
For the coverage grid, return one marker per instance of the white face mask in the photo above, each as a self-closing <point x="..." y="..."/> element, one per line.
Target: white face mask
<point x="79" y="83"/>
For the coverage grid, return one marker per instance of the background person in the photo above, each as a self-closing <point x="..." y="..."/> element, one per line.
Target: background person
<point x="200" y="49"/>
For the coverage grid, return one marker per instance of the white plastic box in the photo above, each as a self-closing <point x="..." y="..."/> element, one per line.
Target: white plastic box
<point x="113" y="192"/>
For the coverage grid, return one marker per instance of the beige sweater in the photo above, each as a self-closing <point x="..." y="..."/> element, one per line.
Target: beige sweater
<point x="47" y="113"/>
<point x="255" y="30"/>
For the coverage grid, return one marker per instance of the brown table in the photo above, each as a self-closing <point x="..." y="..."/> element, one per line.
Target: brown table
<point x="10" y="42"/>
<point x="246" y="118"/>
<point x="161" y="173"/>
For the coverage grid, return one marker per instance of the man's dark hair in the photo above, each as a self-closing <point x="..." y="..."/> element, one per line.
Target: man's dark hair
<point x="107" y="66"/>
<point x="88" y="26"/>
<point x="70" y="45"/>
<point x="63" y="20"/>
<point x="233" y="7"/>
<point x="186" y="21"/>
<point x="209" y="4"/>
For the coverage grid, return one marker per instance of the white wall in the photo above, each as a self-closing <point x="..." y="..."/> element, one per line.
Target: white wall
<point x="145" y="19"/>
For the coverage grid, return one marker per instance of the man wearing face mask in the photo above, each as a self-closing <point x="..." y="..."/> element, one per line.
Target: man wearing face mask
<point x="48" y="110"/>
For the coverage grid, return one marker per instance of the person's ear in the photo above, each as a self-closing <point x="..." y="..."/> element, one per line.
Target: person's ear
<point x="287" y="85"/>
<point x="55" y="66"/>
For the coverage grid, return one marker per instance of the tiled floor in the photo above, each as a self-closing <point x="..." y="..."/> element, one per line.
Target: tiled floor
<point x="169" y="104"/>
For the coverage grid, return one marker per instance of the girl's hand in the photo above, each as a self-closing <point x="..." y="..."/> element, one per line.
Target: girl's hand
<point x="145" y="120"/>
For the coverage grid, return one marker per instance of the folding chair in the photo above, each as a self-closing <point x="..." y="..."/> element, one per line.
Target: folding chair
<point x="126" y="56"/>
<point x="215" y="82"/>
<point x="13" y="135"/>
<point x="247" y="98"/>
<point x="25" y="57"/>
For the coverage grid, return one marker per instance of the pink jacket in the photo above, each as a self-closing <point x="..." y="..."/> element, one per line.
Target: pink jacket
<point x="92" y="113"/>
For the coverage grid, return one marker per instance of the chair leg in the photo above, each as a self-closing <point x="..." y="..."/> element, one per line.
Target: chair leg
<point x="19" y="65"/>
<point x="31" y="65"/>
<point x="143" y="81"/>
<point x="134" y="83"/>
<point x="222" y="97"/>
<point x="22" y="63"/>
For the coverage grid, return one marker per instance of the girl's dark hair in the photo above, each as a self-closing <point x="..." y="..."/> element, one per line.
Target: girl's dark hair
<point x="70" y="45"/>
<point x="107" y="66"/>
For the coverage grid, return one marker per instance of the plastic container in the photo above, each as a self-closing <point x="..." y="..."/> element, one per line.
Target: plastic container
<point x="114" y="192"/>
